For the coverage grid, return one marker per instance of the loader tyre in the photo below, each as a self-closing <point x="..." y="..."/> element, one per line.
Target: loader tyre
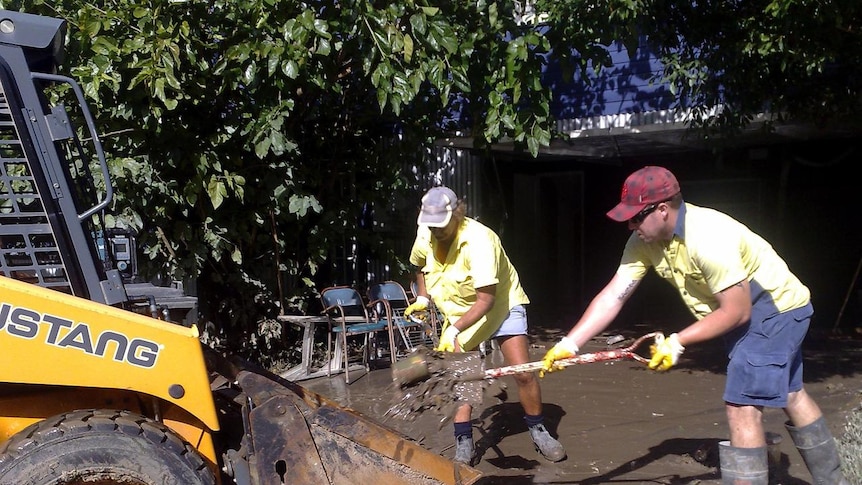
<point x="100" y="447"/>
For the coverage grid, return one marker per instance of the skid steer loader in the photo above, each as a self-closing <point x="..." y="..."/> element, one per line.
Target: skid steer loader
<point x="94" y="391"/>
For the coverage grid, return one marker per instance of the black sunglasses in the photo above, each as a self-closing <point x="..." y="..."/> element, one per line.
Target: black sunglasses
<point x="640" y="216"/>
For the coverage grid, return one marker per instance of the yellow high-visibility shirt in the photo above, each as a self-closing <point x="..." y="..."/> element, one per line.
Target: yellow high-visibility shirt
<point x="710" y="251"/>
<point x="476" y="259"/>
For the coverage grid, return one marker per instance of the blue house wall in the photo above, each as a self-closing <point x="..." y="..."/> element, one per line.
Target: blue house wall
<point x="550" y="210"/>
<point x="627" y="86"/>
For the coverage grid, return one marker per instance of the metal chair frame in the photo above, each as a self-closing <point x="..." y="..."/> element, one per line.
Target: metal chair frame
<point x="388" y="299"/>
<point x="348" y="316"/>
<point x="434" y="316"/>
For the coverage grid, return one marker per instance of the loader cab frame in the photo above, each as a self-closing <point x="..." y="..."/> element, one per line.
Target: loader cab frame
<point x="50" y="203"/>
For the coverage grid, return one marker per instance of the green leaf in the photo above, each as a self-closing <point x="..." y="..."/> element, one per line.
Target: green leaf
<point x="382" y="98"/>
<point x="533" y="146"/>
<point x="216" y="191"/>
<point x="417" y="23"/>
<point x="408" y="48"/>
<point x="290" y="69"/>
<point x="261" y="148"/>
<point x="323" y="47"/>
<point x="300" y="205"/>
<point x="250" y="73"/>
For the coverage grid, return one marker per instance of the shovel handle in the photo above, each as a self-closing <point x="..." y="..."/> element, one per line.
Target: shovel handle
<point x="601" y="356"/>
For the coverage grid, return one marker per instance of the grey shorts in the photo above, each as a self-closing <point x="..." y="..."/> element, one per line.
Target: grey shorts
<point x="766" y="361"/>
<point x="515" y="323"/>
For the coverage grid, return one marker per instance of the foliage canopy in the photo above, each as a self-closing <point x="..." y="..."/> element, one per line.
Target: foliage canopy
<point x="248" y="138"/>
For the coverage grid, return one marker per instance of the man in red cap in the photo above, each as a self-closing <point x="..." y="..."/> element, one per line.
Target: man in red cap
<point x="736" y="286"/>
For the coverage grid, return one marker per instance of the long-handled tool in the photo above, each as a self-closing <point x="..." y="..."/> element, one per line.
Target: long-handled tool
<point x="600" y="356"/>
<point x="442" y="381"/>
<point x="462" y="368"/>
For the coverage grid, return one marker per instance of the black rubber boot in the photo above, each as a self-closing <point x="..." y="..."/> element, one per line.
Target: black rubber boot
<point x="743" y="466"/>
<point x="819" y="451"/>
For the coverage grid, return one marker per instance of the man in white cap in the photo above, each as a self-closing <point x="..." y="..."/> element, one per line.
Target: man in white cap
<point x="736" y="286"/>
<point x="462" y="266"/>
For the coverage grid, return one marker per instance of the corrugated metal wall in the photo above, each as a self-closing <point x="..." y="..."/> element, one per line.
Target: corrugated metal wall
<point x="457" y="169"/>
<point x="461" y="171"/>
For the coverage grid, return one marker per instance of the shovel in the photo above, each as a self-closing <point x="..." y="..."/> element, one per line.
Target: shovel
<point x="421" y="364"/>
<point x="443" y="381"/>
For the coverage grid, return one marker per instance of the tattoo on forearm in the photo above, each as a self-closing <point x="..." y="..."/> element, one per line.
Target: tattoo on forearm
<point x="627" y="291"/>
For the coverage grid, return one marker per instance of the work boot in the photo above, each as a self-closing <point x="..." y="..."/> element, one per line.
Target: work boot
<point x="464" y="451"/>
<point x="819" y="452"/>
<point x="550" y="448"/>
<point x="743" y="466"/>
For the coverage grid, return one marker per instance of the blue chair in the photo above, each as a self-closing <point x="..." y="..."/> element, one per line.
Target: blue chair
<point x="348" y="317"/>
<point x="388" y="300"/>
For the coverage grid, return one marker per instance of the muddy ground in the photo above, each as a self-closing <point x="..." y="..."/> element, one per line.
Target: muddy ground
<point x="620" y="422"/>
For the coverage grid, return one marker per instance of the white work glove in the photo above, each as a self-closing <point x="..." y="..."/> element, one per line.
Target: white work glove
<point x="447" y="339"/>
<point x="665" y="352"/>
<point x="564" y="349"/>
<point x="420" y="306"/>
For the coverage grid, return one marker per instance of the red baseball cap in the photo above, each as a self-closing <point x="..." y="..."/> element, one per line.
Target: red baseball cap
<point x="648" y="185"/>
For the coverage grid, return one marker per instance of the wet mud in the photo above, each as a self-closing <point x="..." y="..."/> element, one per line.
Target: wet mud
<point x="438" y="382"/>
<point x="619" y="421"/>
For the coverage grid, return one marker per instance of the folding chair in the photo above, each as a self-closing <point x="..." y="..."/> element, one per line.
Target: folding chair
<point x="348" y="316"/>
<point x="388" y="300"/>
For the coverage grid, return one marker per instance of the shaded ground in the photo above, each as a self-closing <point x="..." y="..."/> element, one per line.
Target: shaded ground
<point x="620" y="422"/>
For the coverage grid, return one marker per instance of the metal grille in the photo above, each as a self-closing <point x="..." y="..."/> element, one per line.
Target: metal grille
<point x="28" y="248"/>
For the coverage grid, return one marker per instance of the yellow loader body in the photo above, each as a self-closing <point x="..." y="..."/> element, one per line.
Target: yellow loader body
<point x="87" y="350"/>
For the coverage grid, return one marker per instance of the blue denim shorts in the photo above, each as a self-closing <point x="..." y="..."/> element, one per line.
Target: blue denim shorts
<point x="514" y="324"/>
<point x="766" y="360"/>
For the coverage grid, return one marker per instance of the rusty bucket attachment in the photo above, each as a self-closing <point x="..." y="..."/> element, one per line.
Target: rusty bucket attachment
<point x="295" y="435"/>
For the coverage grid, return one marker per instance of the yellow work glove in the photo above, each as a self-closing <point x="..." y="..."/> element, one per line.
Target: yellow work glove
<point x="665" y="352"/>
<point x="447" y="339"/>
<point x="564" y="349"/>
<point x="420" y="306"/>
